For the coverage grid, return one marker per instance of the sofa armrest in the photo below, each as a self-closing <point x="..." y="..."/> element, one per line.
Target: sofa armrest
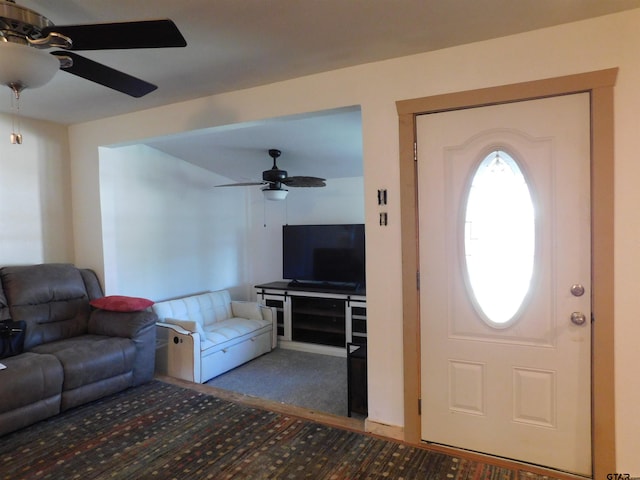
<point x="248" y="310"/>
<point x="270" y="314"/>
<point x="181" y="356"/>
<point x="120" y="324"/>
<point x="180" y="330"/>
<point x="191" y="326"/>
<point x="140" y="327"/>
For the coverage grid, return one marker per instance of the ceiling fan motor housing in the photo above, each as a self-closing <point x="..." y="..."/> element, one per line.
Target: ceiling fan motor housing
<point x="274" y="175"/>
<point x="19" y="23"/>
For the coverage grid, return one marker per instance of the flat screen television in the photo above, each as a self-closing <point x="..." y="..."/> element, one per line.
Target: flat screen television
<point x="333" y="255"/>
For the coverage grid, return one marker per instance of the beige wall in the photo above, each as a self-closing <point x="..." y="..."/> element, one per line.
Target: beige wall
<point x="611" y="41"/>
<point x="35" y="200"/>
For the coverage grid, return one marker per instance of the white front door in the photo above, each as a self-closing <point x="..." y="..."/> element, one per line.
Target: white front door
<point x="504" y="227"/>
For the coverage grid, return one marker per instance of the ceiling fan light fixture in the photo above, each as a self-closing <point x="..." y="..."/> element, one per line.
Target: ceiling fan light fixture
<point x="22" y="66"/>
<point x="275" y="194"/>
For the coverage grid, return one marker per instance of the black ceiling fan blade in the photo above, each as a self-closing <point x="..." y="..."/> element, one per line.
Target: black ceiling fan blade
<point x="245" y="184"/>
<point x="304" y="182"/>
<point x="106" y="76"/>
<point x="121" y="35"/>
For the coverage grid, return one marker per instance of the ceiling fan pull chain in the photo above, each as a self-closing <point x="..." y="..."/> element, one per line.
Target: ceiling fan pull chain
<point x="16" y="136"/>
<point x="286" y="211"/>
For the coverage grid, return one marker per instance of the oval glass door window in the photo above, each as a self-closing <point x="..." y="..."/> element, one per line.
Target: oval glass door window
<point x="499" y="241"/>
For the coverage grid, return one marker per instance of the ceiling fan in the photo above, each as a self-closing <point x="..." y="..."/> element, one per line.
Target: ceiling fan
<point x="274" y="179"/>
<point x="25" y="34"/>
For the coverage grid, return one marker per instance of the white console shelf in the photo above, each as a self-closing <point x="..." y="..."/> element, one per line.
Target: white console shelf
<point x="317" y="320"/>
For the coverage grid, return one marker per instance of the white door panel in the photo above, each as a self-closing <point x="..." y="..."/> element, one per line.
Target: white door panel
<point x="519" y="390"/>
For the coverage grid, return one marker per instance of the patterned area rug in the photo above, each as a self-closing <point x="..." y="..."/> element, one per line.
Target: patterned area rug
<point x="163" y="431"/>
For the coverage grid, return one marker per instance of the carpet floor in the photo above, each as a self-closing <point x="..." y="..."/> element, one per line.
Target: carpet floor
<point x="164" y="431"/>
<point x="309" y="380"/>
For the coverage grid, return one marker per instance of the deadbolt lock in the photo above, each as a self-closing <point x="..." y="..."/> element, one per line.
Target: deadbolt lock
<point x="577" y="290"/>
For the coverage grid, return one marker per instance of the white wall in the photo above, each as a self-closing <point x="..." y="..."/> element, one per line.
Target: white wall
<point x="166" y="231"/>
<point x="35" y="200"/>
<point x="605" y="42"/>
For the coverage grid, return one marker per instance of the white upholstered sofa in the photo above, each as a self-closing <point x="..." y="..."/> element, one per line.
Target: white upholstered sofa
<point x="202" y="336"/>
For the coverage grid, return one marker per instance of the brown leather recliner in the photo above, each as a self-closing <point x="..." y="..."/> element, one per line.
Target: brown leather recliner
<point x="73" y="353"/>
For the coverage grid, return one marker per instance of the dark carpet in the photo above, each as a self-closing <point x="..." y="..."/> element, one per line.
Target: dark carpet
<point x="162" y="431"/>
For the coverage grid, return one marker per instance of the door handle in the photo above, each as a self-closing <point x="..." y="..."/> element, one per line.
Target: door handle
<point x="578" y="318"/>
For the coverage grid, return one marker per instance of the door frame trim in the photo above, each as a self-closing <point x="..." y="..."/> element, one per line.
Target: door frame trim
<point x="599" y="84"/>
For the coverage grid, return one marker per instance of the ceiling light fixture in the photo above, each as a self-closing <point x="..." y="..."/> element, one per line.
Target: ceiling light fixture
<point x="274" y="193"/>
<point x="23" y="63"/>
<point x="22" y="66"/>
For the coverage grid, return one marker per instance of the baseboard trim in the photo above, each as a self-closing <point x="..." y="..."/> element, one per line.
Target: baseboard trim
<point x="390" y="431"/>
<point x="313" y="348"/>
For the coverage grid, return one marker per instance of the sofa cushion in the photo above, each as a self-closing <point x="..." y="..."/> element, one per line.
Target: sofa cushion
<point x="51" y="298"/>
<point x="250" y="310"/>
<point x="232" y="330"/>
<point x="121" y="303"/>
<point x="205" y="308"/>
<point x="30" y="378"/>
<point x="4" y="306"/>
<point x="90" y="358"/>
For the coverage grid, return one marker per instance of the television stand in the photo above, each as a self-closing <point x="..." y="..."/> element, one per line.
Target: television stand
<point x="315" y="318"/>
<point x="321" y="286"/>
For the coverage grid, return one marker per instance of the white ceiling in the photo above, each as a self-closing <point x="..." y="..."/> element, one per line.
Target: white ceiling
<point x="235" y="44"/>
<point x="324" y="144"/>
